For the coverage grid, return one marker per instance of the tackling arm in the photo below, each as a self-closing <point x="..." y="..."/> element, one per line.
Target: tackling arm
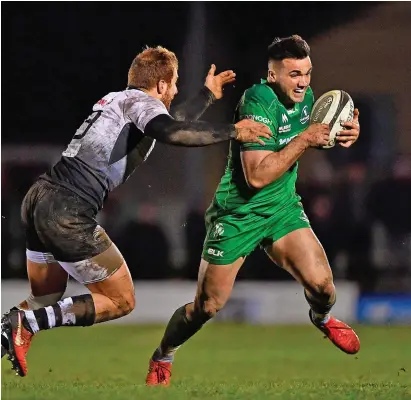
<point x="192" y="109"/>
<point x="212" y="91"/>
<point x="188" y="134"/>
<point x="201" y="133"/>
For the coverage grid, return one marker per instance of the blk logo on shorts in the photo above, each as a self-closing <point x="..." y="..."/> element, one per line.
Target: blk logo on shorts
<point x="215" y="253"/>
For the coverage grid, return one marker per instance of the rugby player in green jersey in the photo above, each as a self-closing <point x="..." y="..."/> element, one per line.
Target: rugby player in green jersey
<point x="256" y="204"/>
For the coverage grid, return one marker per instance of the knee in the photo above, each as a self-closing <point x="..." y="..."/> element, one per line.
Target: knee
<point x="210" y="307"/>
<point x="125" y="305"/>
<point x="324" y="288"/>
<point x="128" y="304"/>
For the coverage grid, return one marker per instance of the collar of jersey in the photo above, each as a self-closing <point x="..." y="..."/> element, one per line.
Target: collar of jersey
<point x="293" y="110"/>
<point x="133" y="88"/>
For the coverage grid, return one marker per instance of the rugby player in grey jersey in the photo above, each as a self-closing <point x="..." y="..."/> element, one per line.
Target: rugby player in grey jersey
<point x="59" y="210"/>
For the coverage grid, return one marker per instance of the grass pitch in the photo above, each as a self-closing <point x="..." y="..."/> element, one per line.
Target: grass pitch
<point x="220" y="362"/>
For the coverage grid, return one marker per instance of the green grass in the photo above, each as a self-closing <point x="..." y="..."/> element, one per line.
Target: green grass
<point x="221" y="362"/>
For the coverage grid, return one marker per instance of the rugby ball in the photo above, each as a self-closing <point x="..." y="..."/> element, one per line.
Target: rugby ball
<point x="332" y="108"/>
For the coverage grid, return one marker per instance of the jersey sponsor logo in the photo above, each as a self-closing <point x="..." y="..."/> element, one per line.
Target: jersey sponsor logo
<point x="284" y="118"/>
<point x="287" y="140"/>
<point x="258" y="118"/>
<point x="107" y="99"/>
<point x="285" y="128"/>
<point x="102" y="102"/>
<point x="304" y="115"/>
<point x="216" y="253"/>
<point x="218" y="231"/>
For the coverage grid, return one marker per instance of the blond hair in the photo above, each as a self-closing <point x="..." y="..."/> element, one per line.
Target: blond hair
<point x="150" y="66"/>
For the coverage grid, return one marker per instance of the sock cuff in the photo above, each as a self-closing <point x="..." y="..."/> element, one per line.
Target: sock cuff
<point x="86" y="302"/>
<point x="32" y="321"/>
<point x="316" y="306"/>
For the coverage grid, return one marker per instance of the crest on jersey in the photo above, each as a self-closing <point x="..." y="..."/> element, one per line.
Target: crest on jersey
<point x="218" y="231"/>
<point x="304" y="115"/>
<point x="284" y="118"/>
<point x="304" y="217"/>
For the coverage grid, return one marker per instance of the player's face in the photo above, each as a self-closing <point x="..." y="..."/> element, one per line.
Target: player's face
<point x="292" y="78"/>
<point x="171" y="91"/>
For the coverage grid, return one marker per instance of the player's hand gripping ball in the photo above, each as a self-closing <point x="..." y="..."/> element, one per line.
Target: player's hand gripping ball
<point x="336" y="109"/>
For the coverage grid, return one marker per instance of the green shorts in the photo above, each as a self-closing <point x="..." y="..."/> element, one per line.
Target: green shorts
<point x="231" y="236"/>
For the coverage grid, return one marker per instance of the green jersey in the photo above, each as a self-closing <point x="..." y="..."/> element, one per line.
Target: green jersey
<point x="261" y="104"/>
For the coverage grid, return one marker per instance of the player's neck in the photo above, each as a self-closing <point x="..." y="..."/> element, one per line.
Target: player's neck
<point x="284" y="100"/>
<point x="152" y="92"/>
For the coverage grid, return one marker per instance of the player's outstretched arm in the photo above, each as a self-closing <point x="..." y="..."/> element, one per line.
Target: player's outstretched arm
<point x="192" y="109"/>
<point x="263" y="167"/>
<point x="201" y="133"/>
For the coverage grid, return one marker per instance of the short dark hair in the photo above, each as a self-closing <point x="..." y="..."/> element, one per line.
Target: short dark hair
<point x="288" y="47"/>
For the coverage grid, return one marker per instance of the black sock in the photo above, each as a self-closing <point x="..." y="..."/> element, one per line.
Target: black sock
<point x="71" y="311"/>
<point x="178" y="331"/>
<point x="320" y="305"/>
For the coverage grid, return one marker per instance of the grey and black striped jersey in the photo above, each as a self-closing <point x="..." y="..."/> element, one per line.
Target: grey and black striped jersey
<point x="108" y="146"/>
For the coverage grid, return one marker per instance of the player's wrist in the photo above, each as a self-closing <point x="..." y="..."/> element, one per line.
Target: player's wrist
<point x="208" y="94"/>
<point x="303" y="140"/>
<point x="235" y="132"/>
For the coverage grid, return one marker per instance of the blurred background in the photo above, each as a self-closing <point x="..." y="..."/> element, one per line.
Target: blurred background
<point x="60" y="58"/>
